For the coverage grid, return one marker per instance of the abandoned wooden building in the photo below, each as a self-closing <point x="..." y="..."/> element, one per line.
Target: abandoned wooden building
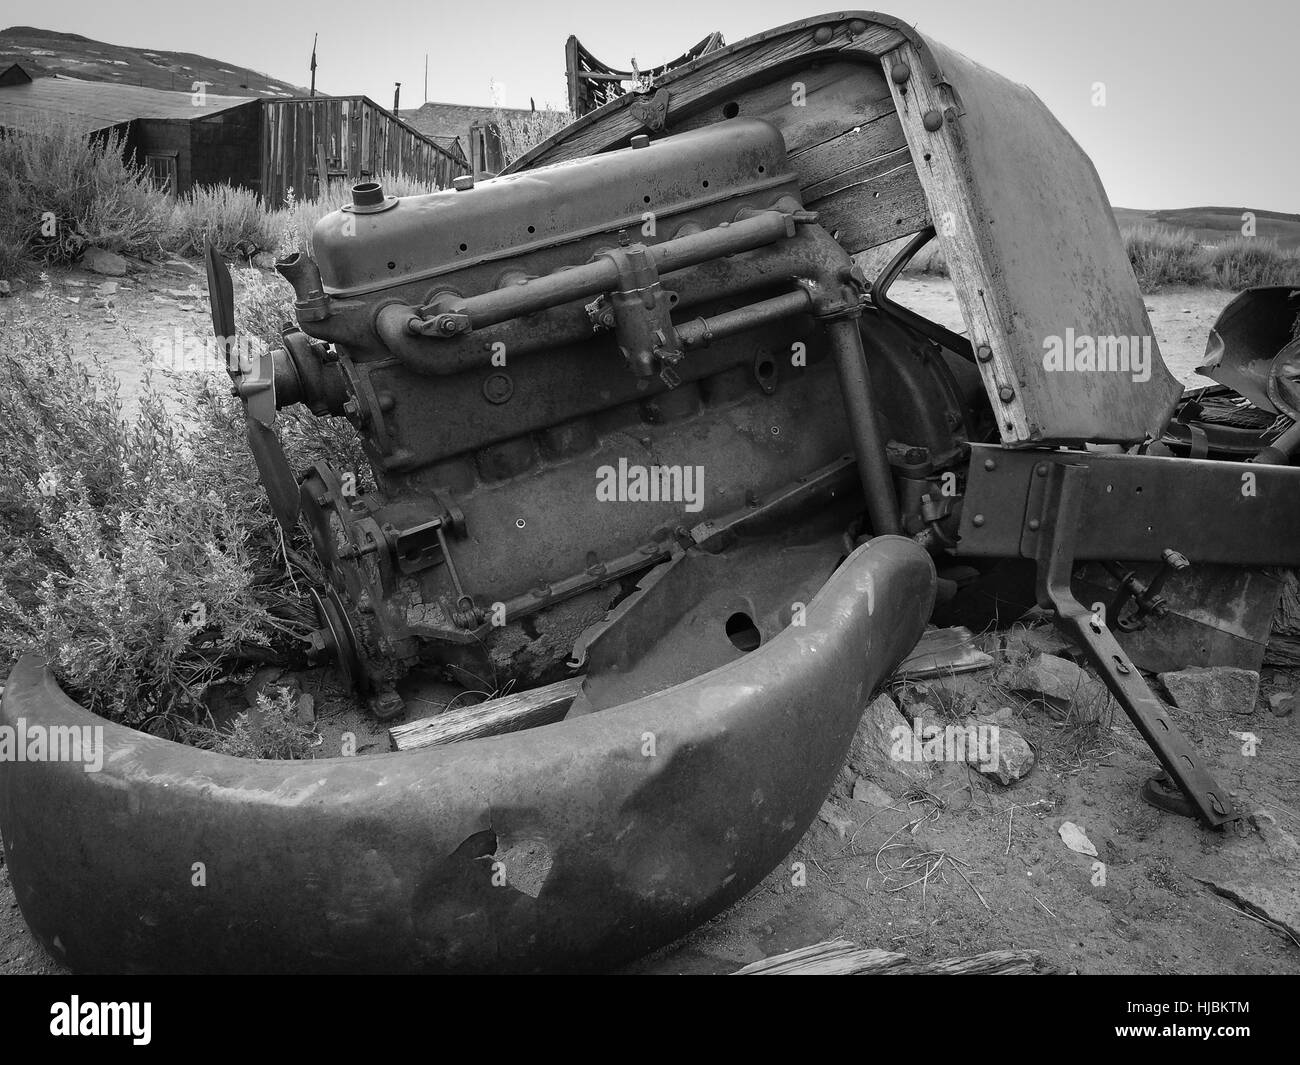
<point x="268" y="145"/>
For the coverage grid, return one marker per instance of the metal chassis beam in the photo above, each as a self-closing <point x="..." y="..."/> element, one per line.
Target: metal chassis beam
<point x="1135" y="506"/>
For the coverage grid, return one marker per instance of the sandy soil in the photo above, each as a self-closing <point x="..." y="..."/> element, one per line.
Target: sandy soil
<point x="1180" y="317"/>
<point x="1026" y="890"/>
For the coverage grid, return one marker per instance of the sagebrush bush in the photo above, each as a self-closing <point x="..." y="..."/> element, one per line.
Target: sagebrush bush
<point x="140" y="557"/>
<point x="1244" y="262"/>
<point x="64" y="190"/>
<point x="274" y="731"/>
<point x="226" y="215"/>
<point x="1162" y="256"/>
<point x="521" y="132"/>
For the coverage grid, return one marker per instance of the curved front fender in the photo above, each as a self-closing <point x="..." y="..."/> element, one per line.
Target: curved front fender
<point x="576" y="845"/>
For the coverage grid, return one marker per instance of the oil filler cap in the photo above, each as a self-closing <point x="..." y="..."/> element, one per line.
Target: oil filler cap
<point x="368" y="198"/>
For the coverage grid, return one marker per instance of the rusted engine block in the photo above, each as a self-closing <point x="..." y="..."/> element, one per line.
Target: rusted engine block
<point x="559" y="374"/>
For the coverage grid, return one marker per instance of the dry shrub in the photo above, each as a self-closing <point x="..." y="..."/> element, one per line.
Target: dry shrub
<point x="63" y="190"/>
<point x="226" y="215"/>
<point x="1164" y="257"/>
<point x="519" y="132"/>
<point x="1244" y="262"/>
<point x="272" y="731"/>
<point x="140" y="557"/>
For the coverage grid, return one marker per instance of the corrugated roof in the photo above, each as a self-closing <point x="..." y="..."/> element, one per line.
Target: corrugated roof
<point x="93" y="105"/>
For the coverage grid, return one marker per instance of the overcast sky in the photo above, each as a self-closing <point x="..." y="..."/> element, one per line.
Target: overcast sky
<point x="1201" y="96"/>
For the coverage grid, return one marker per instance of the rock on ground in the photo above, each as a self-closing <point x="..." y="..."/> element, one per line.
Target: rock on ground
<point x="871" y="793"/>
<point x="1062" y="687"/>
<point x="1207" y="689"/>
<point x="1012" y="759"/>
<point x="1266" y="877"/>
<point x="870" y="754"/>
<point x="104" y="262"/>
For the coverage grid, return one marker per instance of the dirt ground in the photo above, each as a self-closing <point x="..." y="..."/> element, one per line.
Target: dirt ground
<point x="1011" y="882"/>
<point x="1181" y="317"/>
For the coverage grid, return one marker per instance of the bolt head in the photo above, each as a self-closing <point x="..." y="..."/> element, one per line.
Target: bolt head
<point x="932" y="121"/>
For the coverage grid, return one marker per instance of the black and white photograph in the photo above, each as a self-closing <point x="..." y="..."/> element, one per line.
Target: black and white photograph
<point x="703" y="488"/>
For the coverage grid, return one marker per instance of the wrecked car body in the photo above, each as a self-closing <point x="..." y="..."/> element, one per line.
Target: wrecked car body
<point x="634" y="409"/>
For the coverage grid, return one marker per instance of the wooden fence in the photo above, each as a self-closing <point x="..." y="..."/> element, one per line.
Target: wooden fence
<point x="355" y="139"/>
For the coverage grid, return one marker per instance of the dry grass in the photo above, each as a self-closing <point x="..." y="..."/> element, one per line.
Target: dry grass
<point x="520" y="133"/>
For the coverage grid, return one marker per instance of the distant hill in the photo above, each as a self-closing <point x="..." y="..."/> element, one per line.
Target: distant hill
<point x="1213" y="225"/>
<point x="43" y="52"/>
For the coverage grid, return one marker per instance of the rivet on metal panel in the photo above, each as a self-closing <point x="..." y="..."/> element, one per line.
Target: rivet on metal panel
<point x="1041" y="469"/>
<point x="989" y="464"/>
<point x="978" y="520"/>
<point x="1034" y="523"/>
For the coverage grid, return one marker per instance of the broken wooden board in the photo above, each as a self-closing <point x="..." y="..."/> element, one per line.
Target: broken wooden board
<point x="510" y="713"/>
<point x="839" y="957"/>
<point x="941" y="652"/>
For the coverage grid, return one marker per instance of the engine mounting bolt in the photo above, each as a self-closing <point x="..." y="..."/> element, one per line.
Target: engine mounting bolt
<point x="1006" y="393"/>
<point x="989" y="464"/>
<point x="984" y="353"/>
<point x="932" y="121"/>
<point x="498" y="388"/>
<point x="900" y="72"/>
<point x="978" y="520"/>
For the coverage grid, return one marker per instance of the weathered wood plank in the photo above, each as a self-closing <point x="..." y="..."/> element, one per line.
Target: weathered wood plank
<point x="943" y="182"/>
<point x="839" y="957"/>
<point x="875" y="211"/>
<point x="510" y="713"/>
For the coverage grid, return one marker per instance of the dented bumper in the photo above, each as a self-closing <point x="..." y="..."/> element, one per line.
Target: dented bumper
<point x="576" y="845"/>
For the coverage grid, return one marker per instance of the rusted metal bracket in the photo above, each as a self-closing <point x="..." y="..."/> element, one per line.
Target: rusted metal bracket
<point x="652" y="110"/>
<point x="1056" y="526"/>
